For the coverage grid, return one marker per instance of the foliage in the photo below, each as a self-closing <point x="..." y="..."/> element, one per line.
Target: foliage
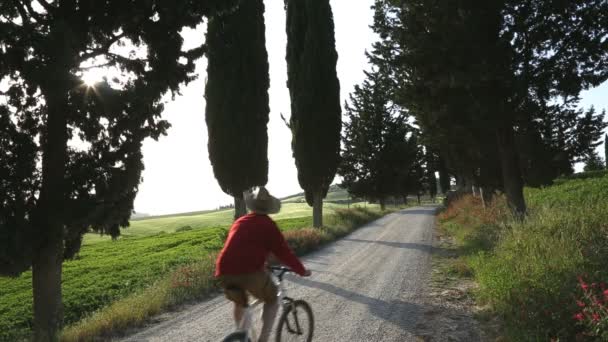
<point x="593" y="162"/>
<point x="381" y="155"/>
<point x="315" y="94"/>
<point x="528" y="270"/>
<point x="498" y="76"/>
<point x="593" y="306"/>
<point x="236" y="97"/>
<point x="78" y="148"/>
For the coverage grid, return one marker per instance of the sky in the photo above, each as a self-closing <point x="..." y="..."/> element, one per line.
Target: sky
<point x="178" y="175"/>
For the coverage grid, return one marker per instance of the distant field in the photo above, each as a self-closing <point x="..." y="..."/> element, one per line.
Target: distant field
<point x="336" y="194"/>
<point x="293" y="207"/>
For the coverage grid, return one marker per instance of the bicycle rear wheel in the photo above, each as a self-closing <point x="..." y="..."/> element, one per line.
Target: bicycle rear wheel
<point x="239" y="336"/>
<point x="296" y="323"/>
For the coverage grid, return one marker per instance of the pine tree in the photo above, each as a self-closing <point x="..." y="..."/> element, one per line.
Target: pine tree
<point x="380" y="147"/>
<point x="237" y="100"/>
<point x="594" y="162"/>
<point x="315" y="98"/>
<point x="54" y="190"/>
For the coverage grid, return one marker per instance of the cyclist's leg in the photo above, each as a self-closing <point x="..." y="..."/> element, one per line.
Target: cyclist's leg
<point x="235" y="292"/>
<point x="268" y="317"/>
<point x="263" y="288"/>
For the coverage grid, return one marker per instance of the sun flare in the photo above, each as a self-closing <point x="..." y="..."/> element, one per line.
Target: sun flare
<point x="91" y="77"/>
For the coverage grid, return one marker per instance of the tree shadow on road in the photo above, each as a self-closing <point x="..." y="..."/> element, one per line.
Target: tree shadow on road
<point x="425" y="321"/>
<point x="405" y="245"/>
<point x="400" y="313"/>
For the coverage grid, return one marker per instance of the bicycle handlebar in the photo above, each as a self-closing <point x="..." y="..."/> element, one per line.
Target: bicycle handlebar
<point x="281" y="270"/>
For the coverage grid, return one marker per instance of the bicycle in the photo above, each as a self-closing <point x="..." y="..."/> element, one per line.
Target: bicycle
<point x="291" y="325"/>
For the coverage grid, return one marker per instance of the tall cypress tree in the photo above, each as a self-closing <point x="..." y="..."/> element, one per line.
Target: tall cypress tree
<point x="315" y="98"/>
<point x="54" y="189"/>
<point x="237" y="100"/>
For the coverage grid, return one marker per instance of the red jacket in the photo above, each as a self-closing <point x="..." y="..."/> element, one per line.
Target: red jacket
<point x="250" y="240"/>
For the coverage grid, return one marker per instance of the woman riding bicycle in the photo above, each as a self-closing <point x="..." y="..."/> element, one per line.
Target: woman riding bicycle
<point x="240" y="265"/>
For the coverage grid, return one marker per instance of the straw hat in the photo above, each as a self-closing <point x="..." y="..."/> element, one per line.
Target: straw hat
<point x="260" y="201"/>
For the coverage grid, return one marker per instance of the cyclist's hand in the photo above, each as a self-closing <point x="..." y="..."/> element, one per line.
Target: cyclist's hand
<point x="307" y="273"/>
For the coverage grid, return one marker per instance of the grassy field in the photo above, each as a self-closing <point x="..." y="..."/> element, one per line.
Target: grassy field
<point x="292" y="208"/>
<point x="336" y="194"/>
<point x="148" y="252"/>
<point x="546" y="276"/>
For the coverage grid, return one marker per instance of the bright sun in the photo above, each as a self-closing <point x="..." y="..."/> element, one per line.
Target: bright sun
<point x="93" y="76"/>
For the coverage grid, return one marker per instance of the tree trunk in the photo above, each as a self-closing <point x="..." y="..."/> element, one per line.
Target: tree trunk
<point x="487" y="194"/>
<point x="511" y="172"/>
<point x="418" y="195"/>
<point x="48" y="218"/>
<point x="46" y="281"/>
<point x="382" y="204"/>
<point x="317" y="209"/>
<point x="404" y="199"/>
<point x="240" y="209"/>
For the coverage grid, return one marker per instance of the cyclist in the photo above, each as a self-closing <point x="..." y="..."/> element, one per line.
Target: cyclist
<point x="240" y="266"/>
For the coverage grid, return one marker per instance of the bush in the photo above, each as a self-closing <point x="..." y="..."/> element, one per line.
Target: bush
<point x="593" y="309"/>
<point x="528" y="271"/>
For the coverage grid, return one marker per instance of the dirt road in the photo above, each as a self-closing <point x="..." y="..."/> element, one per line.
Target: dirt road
<point x="368" y="286"/>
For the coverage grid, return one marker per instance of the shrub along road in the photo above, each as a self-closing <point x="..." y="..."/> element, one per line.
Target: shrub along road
<point x="367" y="286"/>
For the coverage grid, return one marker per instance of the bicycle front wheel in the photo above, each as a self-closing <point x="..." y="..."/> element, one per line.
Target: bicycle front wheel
<point x="239" y="336"/>
<point x="296" y="323"/>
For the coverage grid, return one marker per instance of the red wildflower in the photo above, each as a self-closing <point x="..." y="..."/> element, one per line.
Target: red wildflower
<point x="580" y="304"/>
<point x="579" y="316"/>
<point x="606" y="293"/>
<point x="595" y="316"/>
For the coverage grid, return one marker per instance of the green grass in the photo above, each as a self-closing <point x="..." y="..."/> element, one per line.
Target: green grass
<point x="170" y="223"/>
<point x="527" y="271"/>
<point x="114" y="271"/>
<point x="335" y="194"/>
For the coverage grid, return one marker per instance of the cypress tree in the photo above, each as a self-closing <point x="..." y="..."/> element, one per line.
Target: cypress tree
<point x="237" y="100"/>
<point x="52" y="189"/>
<point x="315" y="98"/>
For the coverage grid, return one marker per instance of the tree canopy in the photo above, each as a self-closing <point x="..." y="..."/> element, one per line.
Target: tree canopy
<point x="498" y="76"/>
<point x="70" y="155"/>
<point x="236" y="96"/>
